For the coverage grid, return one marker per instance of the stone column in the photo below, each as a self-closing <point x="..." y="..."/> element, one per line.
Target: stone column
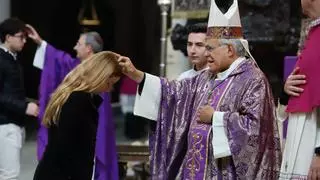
<point x="4" y="9"/>
<point x="176" y="61"/>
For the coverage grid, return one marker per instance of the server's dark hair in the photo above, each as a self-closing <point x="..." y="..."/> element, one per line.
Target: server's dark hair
<point x="11" y="26"/>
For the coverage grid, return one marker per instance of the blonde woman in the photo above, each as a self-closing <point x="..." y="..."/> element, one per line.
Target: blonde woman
<point x="72" y="118"/>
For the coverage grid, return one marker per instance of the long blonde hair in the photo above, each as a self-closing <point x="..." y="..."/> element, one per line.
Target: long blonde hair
<point x="89" y="76"/>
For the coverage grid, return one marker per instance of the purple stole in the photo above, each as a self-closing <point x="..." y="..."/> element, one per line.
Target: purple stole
<point x="199" y="134"/>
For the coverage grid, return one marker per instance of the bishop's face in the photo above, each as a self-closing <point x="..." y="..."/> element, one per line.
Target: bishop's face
<point x="218" y="55"/>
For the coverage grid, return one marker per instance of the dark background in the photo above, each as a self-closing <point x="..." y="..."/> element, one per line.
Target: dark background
<point x="129" y="27"/>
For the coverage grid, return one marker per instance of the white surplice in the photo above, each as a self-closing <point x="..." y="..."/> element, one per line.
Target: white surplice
<point x="190" y="73"/>
<point x="303" y="135"/>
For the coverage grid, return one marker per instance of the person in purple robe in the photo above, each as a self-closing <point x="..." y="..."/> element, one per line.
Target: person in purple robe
<point x="219" y="124"/>
<point x="55" y="65"/>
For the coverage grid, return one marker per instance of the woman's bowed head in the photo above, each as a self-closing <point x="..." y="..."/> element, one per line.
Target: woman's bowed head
<point x="96" y="75"/>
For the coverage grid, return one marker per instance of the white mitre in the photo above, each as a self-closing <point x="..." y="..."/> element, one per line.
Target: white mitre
<point x="226" y="25"/>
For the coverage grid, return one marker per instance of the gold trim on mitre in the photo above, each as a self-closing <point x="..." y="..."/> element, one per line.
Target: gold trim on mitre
<point x="190" y="14"/>
<point x="224" y="33"/>
<point x="224" y="25"/>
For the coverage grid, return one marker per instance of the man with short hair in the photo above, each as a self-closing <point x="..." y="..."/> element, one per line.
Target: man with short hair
<point x="13" y="104"/>
<point x="219" y="124"/>
<point x="196" y="50"/>
<point x="55" y="65"/>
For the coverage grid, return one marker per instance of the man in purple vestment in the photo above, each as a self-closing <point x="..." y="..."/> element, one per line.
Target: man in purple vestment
<point x="217" y="125"/>
<point x="235" y="137"/>
<point x="55" y="65"/>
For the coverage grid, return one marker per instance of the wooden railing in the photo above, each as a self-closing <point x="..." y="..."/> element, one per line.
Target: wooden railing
<point x="127" y="153"/>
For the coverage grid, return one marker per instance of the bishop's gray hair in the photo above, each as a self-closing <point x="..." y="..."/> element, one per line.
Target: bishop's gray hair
<point x="94" y="40"/>
<point x="236" y="43"/>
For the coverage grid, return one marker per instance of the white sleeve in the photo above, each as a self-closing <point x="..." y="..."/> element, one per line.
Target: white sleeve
<point x="316" y="115"/>
<point x="39" y="57"/>
<point x="181" y="76"/>
<point x="282" y="115"/>
<point x="147" y="104"/>
<point x="184" y="75"/>
<point x="220" y="141"/>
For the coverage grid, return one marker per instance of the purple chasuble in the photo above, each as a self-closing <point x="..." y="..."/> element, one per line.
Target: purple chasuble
<point x="199" y="134"/>
<point x="181" y="148"/>
<point x="56" y="66"/>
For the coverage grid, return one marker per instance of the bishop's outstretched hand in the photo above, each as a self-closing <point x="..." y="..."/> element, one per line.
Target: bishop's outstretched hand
<point x="33" y="34"/>
<point x="130" y="70"/>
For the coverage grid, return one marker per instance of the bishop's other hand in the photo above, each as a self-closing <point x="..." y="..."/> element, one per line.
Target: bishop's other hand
<point x="205" y="114"/>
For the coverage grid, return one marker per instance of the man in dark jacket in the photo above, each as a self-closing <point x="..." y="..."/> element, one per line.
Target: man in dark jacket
<point x="13" y="104"/>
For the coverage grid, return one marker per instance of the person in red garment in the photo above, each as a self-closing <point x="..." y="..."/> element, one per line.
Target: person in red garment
<point x="301" y="158"/>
